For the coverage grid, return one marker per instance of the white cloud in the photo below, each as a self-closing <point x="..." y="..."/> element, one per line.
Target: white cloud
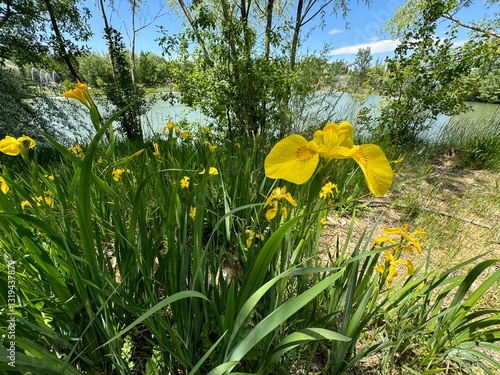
<point x="335" y="31"/>
<point x="459" y="43"/>
<point x="384" y="45"/>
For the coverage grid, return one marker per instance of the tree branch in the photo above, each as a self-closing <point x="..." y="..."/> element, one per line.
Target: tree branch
<point x="457" y="21"/>
<point x="195" y="29"/>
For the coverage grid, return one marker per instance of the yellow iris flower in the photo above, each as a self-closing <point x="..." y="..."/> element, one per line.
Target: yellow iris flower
<point x="295" y="159"/>
<point x="117" y="173"/>
<point x="12" y="146"/>
<point x="280" y="193"/>
<point x="276" y="195"/>
<point x="170" y="127"/>
<point x="192" y="213"/>
<point x="47" y="199"/>
<point x="211" y="171"/>
<point x="271" y="213"/>
<point x="156" y="149"/>
<point x="185" y="182"/>
<point x="210" y="146"/>
<point x="80" y="93"/>
<point x="392" y="262"/>
<point x="327" y="190"/>
<point x="77" y="150"/>
<point x="410" y="239"/>
<point x="251" y="235"/>
<point x="3" y="185"/>
<point x="25" y="204"/>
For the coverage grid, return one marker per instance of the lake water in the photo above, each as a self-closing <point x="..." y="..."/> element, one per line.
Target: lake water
<point x="345" y="108"/>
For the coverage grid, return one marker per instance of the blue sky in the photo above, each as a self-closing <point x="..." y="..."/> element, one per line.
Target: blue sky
<point x="364" y="28"/>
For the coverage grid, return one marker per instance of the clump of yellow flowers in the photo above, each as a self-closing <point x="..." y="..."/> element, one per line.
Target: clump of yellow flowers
<point x="251" y="235"/>
<point x="401" y="241"/>
<point x="295" y="158"/>
<point x="184" y="184"/>
<point x="77" y="150"/>
<point x="117" y="173"/>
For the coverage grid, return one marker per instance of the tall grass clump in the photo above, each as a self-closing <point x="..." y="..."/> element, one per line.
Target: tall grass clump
<point x="476" y="142"/>
<point x="193" y="255"/>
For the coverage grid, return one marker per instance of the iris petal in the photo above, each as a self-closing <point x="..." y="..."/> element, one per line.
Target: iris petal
<point x="10" y="146"/>
<point x="375" y="166"/>
<point x="292" y="159"/>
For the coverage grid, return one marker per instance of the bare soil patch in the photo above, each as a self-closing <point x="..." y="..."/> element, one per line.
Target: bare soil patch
<point x="458" y="209"/>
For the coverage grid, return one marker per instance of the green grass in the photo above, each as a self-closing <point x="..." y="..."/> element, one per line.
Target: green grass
<point x="476" y="143"/>
<point x="138" y="273"/>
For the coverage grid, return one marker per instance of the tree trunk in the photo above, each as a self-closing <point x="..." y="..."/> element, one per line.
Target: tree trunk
<point x="296" y="34"/>
<point x="199" y="39"/>
<point x="60" y="42"/>
<point x="132" y="42"/>
<point x="269" y="25"/>
<point x="107" y="32"/>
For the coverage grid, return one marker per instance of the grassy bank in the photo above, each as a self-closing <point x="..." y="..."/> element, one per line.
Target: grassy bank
<point x="183" y="256"/>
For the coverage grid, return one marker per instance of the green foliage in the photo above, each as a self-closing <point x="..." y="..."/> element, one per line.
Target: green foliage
<point x="489" y="87"/>
<point x="127" y="260"/>
<point x="134" y="258"/>
<point x="27" y="35"/>
<point x="152" y="70"/>
<point x="430" y="76"/>
<point x="96" y="69"/>
<point x="123" y="91"/>
<point x="436" y="321"/>
<point x="244" y="95"/>
<point x="360" y="69"/>
<point x="477" y="143"/>
<point x="422" y="85"/>
<point x="246" y="71"/>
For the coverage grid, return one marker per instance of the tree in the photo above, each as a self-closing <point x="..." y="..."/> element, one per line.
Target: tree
<point x="96" y="69"/>
<point x="247" y="60"/>
<point x="425" y="78"/>
<point x="152" y="69"/>
<point x="358" y="77"/>
<point x="362" y="63"/>
<point x="31" y="30"/>
<point x="375" y="76"/>
<point x="123" y="91"/>
<point x="124" y="88"/>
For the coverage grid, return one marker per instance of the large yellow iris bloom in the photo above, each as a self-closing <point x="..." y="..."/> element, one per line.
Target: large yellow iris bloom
<point x="12" y="146"/>
<point x="295" y="159"/>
